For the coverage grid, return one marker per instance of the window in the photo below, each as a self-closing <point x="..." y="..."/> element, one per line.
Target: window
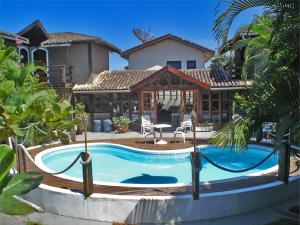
<point x="175" y="64"/>
<point x="191" y="64"/>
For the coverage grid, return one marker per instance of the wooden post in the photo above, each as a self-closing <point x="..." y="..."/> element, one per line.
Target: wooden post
<point x="220" y="108"/>
<point x="181" y="106"/>
<point x="284" y="162"/>
<point x="130" y="106"/>
<point x="195" y="160"/>
<point x="200" y="105"/>
<point x="209" y="105"/>
<point x="154" y="108"/>
<point x="87" y="170"/>
<point x="141" y="104"/>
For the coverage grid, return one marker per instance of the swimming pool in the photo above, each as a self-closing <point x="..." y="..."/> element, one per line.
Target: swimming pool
<point x="121" y="165"/>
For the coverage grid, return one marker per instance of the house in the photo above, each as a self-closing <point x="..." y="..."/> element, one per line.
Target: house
<point x="167" y="50"/>
<point x="165" y="79"/>
<point x="68" y="57"/>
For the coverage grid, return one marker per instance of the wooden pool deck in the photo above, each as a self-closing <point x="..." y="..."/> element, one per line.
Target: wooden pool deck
<point x="163" y="191"/>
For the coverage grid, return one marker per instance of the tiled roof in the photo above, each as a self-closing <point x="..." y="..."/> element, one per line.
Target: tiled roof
<point x="71" y="37"/>
<point x="208" y="53"/>
<point x="123" y="80"/>
<point x="10" y="36"/>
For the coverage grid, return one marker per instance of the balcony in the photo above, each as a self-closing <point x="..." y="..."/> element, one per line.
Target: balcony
<point x="60" y="75"/>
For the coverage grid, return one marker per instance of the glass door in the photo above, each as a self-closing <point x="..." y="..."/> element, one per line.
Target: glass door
<point x="149" y="105"/>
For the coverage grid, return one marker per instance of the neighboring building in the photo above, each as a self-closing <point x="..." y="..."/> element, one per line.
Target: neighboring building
<point x="167" y="50"/>
<point x="13" y="40"/>
<point x="69" y="57"/>
<point x="239" y="53"/>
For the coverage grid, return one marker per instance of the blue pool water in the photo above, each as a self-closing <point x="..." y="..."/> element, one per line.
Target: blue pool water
<point x="122" y="165"/>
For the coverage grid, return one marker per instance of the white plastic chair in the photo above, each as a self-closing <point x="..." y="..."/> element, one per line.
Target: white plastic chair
<point x="180" y="131"/>
<point x="149" y="131"/>
<point x="187" y="122"/>
<point x="146" y="123"/>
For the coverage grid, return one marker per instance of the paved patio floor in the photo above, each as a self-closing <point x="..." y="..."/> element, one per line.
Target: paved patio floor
<point x="98" y="136"/>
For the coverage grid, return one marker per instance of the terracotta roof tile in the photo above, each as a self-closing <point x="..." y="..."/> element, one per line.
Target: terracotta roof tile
<point x="71" y="37"/>
<point x="123" y="80"/>
<point x="13" y="37"/>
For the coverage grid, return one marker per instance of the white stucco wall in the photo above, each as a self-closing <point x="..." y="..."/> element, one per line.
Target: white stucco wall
<point x="161" y="52"/>
<point x="77" y="56"/>
<point x="100" y="58"/>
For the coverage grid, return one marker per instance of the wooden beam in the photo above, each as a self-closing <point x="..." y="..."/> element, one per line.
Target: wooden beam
<point x="141" y="105"/>
<point x="209" y="105"/>
<point x="200" y="104"/>
<point x="220" y="109"/>
<point x="155" y="109"/>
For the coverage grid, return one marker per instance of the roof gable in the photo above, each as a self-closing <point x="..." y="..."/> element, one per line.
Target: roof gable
<point x="35" y="32"/>
<point x="173" y="71"/>
<point x="207" y="53"/>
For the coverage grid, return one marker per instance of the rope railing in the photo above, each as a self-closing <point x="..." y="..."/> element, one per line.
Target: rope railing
<point x="241" y="170"/>
<point x="80" y="155"/>
<point x="85" y="159"/>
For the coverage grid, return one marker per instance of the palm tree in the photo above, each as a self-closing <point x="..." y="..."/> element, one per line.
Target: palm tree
<point x="275" y="95"/>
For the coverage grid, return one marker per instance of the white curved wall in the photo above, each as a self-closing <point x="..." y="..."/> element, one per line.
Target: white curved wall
<point x="161" y="209"/>
<point x="161" y="52"/>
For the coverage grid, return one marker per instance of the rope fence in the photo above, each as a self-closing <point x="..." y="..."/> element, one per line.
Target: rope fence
<point x="241" y="170"/>
<point x="24" y="150"/>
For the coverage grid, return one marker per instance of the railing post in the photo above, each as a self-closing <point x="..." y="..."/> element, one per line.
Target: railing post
<point x="195" y="160"/>
<point x="284" y="162"/>
<point x="87" y="172"/>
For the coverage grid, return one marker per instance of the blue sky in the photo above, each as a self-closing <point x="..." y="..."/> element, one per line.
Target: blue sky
<point x="114" y="20"/>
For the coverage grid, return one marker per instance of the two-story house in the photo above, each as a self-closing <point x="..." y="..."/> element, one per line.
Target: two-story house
<point x="68" y="57"/>
<point x="167" y="50"/>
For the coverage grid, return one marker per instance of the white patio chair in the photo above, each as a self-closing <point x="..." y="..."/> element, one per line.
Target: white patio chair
<point x="145" y="123"/>
<point x="149" y="131"/>
<point x="187" y="122"/>
<point x="180" y="131"/>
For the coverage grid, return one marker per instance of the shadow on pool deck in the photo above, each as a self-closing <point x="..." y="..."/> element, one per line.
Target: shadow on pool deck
<point x="148" y="179"/>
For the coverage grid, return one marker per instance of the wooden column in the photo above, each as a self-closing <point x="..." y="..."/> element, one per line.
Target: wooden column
<point x="220" y="108"/>
<point x="92" y="110"/>
<point x="209" y="105"/>
<point x="181" y="106"/>
<point x="154" y="108"/>
<point x="184" y="103"/>
<point x="200" y="104"/>
<point x="141" y="105"/>
<point x="130" y="106"/>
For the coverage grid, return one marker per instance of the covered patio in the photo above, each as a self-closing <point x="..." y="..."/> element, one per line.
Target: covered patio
<point x="166" y="95"/>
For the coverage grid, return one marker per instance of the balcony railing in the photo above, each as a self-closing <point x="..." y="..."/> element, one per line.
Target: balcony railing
<point x="60" y="75"/>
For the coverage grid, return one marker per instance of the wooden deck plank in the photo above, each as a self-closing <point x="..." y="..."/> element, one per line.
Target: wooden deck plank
<point x="169" y="191"/>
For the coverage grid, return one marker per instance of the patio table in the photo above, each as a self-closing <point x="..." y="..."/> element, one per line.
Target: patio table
<point x="161" y="126"/>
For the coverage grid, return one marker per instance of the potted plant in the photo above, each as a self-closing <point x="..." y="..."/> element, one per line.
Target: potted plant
<point x="204" y="126"/>
<point x="121" y="123"/>
<point x="78" y="115"/>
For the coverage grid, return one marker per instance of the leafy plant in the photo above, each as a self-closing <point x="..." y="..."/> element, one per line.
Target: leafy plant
<point x="275" y="93"/>
<point x="79" y="114"/>
<point x="121" y="121"/>
<point x="30" y="111"/>
<point x="17" y="184"/>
